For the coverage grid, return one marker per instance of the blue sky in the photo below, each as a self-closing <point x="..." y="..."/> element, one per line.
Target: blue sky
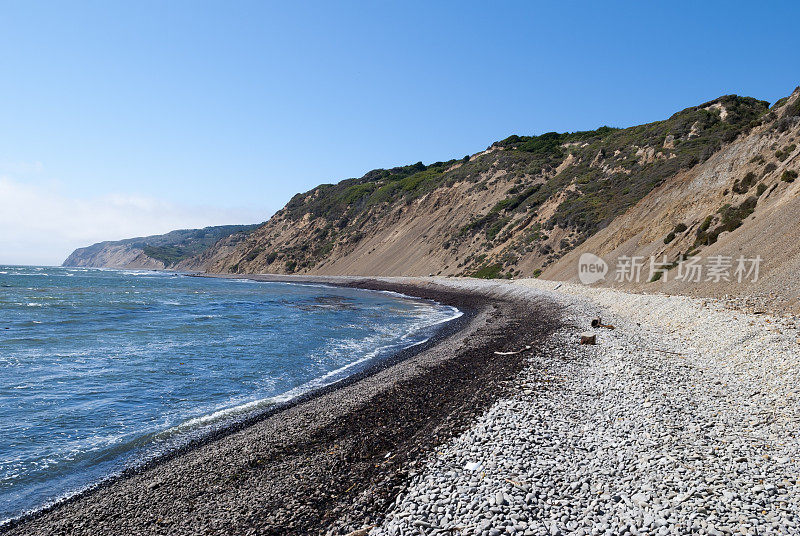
<point x="129" y="118"/>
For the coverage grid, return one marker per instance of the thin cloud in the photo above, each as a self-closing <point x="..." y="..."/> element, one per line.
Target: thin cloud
<point x="21" y="168"/>
<point x="42" y="225"/>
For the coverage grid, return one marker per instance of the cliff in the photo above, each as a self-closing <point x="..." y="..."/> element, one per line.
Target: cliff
<point x="512" y="210"/>
<point x="172" y="250"/>
<point x="741" y="203"/>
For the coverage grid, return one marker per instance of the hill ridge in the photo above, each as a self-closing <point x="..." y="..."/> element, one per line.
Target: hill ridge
<point x="528" y="206"/>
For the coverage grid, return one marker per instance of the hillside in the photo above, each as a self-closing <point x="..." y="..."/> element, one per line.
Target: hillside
<point x="512" y="210"/>
<point x="171" y="250"/>
<point x="744" y="201"/>
<point x="713" y="179"/>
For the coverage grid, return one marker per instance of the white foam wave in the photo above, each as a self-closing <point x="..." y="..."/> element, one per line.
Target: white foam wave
<point x="145" y="273"/>
<point x="413" y="344"/>
<point x="439" y="317"/>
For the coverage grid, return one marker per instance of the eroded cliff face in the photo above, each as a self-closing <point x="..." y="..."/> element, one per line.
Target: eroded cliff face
<point x="512" y="210"/>
<point x="743" y="202"/>
<point x="113" y="256"/>
<point x="173" y="250"/>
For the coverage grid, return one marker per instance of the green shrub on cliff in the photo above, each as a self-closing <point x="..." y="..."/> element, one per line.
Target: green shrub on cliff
<point x="729" y="218"/>
<point x="741" y="187"/>
<point x="491" y="271"/>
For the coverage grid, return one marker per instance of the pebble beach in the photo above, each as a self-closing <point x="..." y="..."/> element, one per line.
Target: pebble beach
<point x="681" y="420"/>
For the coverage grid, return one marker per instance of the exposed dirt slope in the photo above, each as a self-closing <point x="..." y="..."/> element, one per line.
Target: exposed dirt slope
<point x="747" y="194"/>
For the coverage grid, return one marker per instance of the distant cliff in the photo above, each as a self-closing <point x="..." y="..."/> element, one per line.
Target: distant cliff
<point x="176" y="249"/>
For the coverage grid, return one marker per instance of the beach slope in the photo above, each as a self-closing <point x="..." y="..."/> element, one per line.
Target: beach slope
<point x="333" y="461"/>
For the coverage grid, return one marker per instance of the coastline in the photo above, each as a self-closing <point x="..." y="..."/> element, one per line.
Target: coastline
<point x="356" y="439"/>
<point x="680" y="420"/>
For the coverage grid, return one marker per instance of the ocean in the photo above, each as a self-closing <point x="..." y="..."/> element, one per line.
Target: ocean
<point x="101" y="370"/>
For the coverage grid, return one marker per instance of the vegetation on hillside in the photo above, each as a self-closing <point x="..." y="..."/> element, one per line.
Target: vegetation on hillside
<point x="590" y="176"/>
<point x="614" y="169"/>
<point x="175" y="246"/>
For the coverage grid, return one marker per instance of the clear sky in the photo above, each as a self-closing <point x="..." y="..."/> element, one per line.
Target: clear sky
<point x="120" y="119"/>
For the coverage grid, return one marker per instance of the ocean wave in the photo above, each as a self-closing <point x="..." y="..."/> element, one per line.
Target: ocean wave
<point x="216" y="416"/>
<point x="226" y="414"/>
<point x="205" y="317"/>
<point x="309" y="285"/>
<point x="321" y="381"/>
<point x="145" y="273"/>
<point x="413" y="344"/>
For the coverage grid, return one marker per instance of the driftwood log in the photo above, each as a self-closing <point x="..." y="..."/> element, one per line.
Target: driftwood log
<point x="597" y="322"/>
<point x="527" y="347"/>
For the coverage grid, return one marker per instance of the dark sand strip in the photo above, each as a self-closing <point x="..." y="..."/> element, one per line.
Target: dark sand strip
<point x="334" y="460"/>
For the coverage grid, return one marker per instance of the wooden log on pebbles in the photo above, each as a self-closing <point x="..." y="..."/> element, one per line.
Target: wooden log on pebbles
<point x="361" y="532"/>
<point x="597" y="322"/>
<point x="588" y="337"/>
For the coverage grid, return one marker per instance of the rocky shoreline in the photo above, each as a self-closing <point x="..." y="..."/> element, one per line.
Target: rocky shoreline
<point x="334" y="461"/>
<point x="682" y="420"/>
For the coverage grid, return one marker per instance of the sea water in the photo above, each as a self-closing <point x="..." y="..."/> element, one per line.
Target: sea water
<point x="101" y="369"/>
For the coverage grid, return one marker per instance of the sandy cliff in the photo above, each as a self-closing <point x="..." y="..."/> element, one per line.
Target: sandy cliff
<point x="516" y="208"/>
<point x="756" y="172"/>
